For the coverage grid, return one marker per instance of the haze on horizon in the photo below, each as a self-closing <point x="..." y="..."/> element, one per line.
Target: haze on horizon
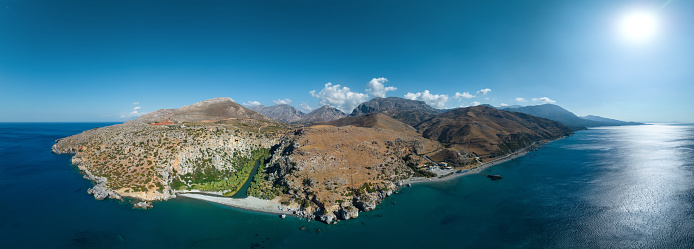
<point x="116" y="60"/>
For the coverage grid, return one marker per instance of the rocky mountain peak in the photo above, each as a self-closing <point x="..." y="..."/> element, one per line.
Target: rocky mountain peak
<point x="281" y="112"/>
<point x="389" y="104"/>
<point x="324" y="114"/>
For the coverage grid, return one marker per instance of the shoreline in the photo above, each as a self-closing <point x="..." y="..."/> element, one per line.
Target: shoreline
<point x="249" y="203"/>
<point x="480" y="167"/>
<point x="255" y="204"/>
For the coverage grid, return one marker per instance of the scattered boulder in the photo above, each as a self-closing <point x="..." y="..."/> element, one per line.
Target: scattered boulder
<point x="327" y="218"/>
<point x="143" y="205"/>
<point x="365" y="203"/>
<point x="348" y="212"/>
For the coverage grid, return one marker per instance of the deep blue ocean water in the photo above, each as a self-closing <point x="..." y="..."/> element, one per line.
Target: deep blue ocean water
<point x="618" y="187"/>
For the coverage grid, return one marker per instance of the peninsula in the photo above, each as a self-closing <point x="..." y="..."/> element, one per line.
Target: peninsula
<point x="326" y="167"/>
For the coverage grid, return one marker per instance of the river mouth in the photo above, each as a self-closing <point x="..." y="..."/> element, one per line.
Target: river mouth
<point x="243" y="192"/>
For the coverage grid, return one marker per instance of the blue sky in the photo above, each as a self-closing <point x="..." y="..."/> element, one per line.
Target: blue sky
<point x="113" y="60"/>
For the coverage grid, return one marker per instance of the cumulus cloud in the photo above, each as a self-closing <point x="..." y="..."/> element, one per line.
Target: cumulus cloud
<point x="544" y="100"/>
<point x="282" y="101"/>
<point x="339" y="97"/>
<point x="134" y="113"/>
<point x="484" y="91"/>
<point x="502" y="104"/>
<point x="520" y="100"/>
<point x="377" y="88"/>
<point x="252" y="103"/>
<point x="305" y="107"/>
<point x="465" y="95"/>
<point x="435" y="100"/>
<point x="474" y="103"/>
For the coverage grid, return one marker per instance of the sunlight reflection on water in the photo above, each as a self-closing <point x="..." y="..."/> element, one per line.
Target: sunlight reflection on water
<point x="644" y="186"/>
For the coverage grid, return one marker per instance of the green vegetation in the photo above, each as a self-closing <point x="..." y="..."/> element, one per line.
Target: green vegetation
<point x="260" y="187"/>
<point x="420" y="172"/>
<point x="206" y="177"/>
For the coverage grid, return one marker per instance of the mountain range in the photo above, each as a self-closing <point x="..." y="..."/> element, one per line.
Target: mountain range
<point x="557" y="113"/>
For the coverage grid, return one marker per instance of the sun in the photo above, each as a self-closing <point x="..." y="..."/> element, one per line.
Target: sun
<point x="638" y="26"/>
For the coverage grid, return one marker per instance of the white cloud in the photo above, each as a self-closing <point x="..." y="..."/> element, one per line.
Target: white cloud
<point x="377" y="89"/>
<point x="474" y="103"/>
<point x="465" y="95"/>
<point x="435" y="100"/>
<point x="339" y="97"/>
<point x="544" y="100"/>
<point x="502" y="104"/>
<point x="282" y="101"/>
<point x="520" y="100"/>
<point x="252" y="103"/>
<point x="305" y="107"/>
<point x="484" y="91"/>
<point x="134" y="113"/>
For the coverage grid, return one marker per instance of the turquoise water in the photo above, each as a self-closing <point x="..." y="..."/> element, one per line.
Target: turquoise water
<point x="620" y="187"/>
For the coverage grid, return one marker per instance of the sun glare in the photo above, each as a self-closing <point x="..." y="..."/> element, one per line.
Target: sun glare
<point x="638" y="26"/>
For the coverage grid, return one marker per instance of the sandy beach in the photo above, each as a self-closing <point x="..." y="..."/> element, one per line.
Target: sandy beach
<point x="249" y="203"/>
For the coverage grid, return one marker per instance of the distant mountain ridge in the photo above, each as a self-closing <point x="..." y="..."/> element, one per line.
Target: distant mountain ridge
<point x="281" y="112"/>
<point x="323" y="114"/>
<point x="208" y="110"/>
<point x="557" y="113"/>
<point x="411" y="112"/>
<point x="609" y="121"/>
<point x="391" y="103"/>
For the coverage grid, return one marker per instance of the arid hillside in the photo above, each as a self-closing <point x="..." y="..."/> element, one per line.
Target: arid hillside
<point x="208" y="110"/>
<point x="489" y="132"/>
<point x="339" y="168"/>
<point x="375" y="120"/>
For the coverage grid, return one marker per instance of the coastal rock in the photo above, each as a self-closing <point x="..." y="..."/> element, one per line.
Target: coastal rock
<point x="348" y="212"/>
<point x="143" y="205"/>
<point x="385" y="193"/>
<point x="365" y="203"/>
<point x="100" y="190"/>
<point x="327" y="218"/>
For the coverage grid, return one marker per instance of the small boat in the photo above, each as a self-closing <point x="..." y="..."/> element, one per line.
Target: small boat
<point x="495" y="177"/>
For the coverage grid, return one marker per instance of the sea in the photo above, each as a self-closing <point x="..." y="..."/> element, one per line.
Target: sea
<point x="611" y="187"/>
